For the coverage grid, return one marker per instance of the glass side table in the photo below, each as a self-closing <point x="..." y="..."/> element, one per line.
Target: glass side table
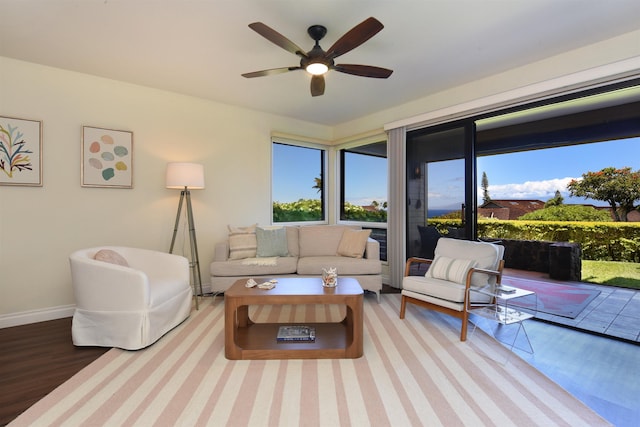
<point x="506" y="309"/>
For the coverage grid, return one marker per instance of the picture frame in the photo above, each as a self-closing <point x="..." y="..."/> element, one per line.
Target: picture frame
<point x="107" y="158"/>
<point x="20" y="152"/>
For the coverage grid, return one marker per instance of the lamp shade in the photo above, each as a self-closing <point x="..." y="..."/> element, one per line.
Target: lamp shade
<point x="181" y="175"/>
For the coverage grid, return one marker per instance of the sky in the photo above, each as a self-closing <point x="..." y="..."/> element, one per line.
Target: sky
<point x="535" y="174"/>
<point x="294" y="170"/>
<point x="538" y="174"/>
<point x="527" y="175"/>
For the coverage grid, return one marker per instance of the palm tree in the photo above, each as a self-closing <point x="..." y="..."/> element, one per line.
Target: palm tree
<point x="318" y="185"/>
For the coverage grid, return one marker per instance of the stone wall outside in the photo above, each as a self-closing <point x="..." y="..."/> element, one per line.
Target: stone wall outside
<point x="561" y="260"/>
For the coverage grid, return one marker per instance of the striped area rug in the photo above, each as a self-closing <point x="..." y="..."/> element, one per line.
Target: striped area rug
<point x="413" y="372"/>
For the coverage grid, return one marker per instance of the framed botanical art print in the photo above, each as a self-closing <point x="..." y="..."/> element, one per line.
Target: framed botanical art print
<point x="107" y="158"/>
<point x="20" y="152"/>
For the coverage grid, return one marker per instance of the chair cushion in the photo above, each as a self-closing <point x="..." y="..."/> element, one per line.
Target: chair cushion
<point x="440" y="289"/>
<point x="353" y="243"/>
<point x="486" y="255"/>
<point x="451" y="269"/>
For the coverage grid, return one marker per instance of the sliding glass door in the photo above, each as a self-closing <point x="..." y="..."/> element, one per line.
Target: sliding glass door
<point x="441" y="180"/>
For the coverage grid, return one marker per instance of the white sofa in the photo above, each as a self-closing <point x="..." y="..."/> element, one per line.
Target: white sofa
<point x="130" y="298"/>
<point x="309" y="250"/>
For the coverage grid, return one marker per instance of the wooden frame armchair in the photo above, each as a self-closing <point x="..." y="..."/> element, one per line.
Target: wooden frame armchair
<point x="458" y="268"/>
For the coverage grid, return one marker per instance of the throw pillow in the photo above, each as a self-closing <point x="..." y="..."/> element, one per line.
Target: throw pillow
<point x="242" y="242"/>
<point x="272" y="241"/>
<point x="353" y="243"/>
<point x="110" y="256"/>
<point x="450" y="269"/>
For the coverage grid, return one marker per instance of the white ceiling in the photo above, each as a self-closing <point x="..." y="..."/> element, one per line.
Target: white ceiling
<point x="201" y="48"/>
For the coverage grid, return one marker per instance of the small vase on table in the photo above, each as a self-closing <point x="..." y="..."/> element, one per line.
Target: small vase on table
<point x="329" y="277"/>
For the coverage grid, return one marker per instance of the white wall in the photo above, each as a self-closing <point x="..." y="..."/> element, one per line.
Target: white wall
<point x="41" y="226"/>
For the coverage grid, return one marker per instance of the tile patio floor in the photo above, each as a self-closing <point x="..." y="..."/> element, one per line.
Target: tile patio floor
<point x="615" y="312"/>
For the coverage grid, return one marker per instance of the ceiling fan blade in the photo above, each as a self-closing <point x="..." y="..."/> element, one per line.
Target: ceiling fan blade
<point x="317" y="85"/>
<point x="275" y="37"/>
<point x="355" y="37"/>
<point x="270" y="72"/>
<point x="363" y="70"/>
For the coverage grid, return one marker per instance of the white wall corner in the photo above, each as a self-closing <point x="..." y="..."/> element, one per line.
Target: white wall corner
<point x="34" y="316"/>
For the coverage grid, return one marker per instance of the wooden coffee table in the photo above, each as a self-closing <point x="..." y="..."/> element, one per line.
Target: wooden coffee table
<point x="245" y="339"/>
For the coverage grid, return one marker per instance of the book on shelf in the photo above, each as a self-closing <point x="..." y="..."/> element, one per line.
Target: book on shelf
<point x="296" y="333"/>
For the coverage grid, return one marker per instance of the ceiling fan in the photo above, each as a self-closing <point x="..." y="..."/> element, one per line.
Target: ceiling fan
<point x="317" y="61"/>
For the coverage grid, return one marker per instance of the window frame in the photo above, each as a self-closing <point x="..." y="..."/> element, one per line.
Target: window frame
<point x="324" y="197"/>
<point x="341" y="196"/>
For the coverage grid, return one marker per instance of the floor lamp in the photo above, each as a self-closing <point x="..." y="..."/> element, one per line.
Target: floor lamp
<point x="186" y="177"/>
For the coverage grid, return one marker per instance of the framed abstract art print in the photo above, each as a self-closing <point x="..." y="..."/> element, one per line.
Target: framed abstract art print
<point x="20" y="152"/>
<point x="107" y="158"/>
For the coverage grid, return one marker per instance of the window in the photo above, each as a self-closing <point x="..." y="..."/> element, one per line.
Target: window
<point x="363" y="189"/>
<point x="437" y="184"/>
<point x="363" y="192"/>
<point x="298" y="184"/>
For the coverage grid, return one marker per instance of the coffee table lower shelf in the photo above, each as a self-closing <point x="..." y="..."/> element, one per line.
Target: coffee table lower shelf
<point x="258" y="341"/>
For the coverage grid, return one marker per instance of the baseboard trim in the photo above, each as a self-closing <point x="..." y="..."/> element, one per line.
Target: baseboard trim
<point x="35" y="316"/>
<point x="50" y="313"/>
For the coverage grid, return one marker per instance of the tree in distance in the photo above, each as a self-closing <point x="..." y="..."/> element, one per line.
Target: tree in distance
<point x="618" y="187"/>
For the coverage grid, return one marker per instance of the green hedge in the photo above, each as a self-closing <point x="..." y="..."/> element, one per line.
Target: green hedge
<point x="600" y="241"/>
<point x="311" y="210"/>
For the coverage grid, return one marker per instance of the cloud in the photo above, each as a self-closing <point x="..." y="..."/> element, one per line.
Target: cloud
<point x="530" y="189"/>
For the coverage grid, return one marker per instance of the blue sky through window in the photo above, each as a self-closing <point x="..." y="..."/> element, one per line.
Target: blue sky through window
<point x="294" y="172"/>
<point x="535" y="174"/>
<point x="538" y="174"/>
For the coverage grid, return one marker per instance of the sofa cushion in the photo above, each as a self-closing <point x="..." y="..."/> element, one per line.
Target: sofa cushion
<point x="320" y="240"/>
<point x="242" y="242"/>
<point x="345" y="266"/>
<point x="353" y="243"/>
<point x="292" y="240"/>
<point x="271" y="241"/>
<point x="450" y="269"/>
<point x="284" y="265"/>
<point x="110" y="256"/>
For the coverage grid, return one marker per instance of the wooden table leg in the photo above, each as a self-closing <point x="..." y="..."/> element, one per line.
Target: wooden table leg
<point x="242" y="316"/>
<point x="353" y="322"/>
<point x="231" y="350"/>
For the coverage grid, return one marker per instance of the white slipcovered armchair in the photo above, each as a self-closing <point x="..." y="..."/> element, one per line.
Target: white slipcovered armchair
<point x="127" y="297"/>
<point x="458" y="268"/>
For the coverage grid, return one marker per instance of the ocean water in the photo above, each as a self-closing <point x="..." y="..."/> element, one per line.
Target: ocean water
<point x="431" y="213"/>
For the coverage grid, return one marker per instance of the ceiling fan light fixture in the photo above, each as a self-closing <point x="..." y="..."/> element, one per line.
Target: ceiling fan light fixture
<point x="318" y="62"/>
<point x="317" y="68"/>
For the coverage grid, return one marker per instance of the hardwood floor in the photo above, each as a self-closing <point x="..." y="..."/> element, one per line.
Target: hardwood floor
<point x="34" y="360"/>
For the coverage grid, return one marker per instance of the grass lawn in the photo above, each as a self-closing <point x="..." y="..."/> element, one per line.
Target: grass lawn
<point x="622" y="274"/>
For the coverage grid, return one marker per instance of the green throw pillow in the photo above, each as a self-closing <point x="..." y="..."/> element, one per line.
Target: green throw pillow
<point x="271" y="242"/>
